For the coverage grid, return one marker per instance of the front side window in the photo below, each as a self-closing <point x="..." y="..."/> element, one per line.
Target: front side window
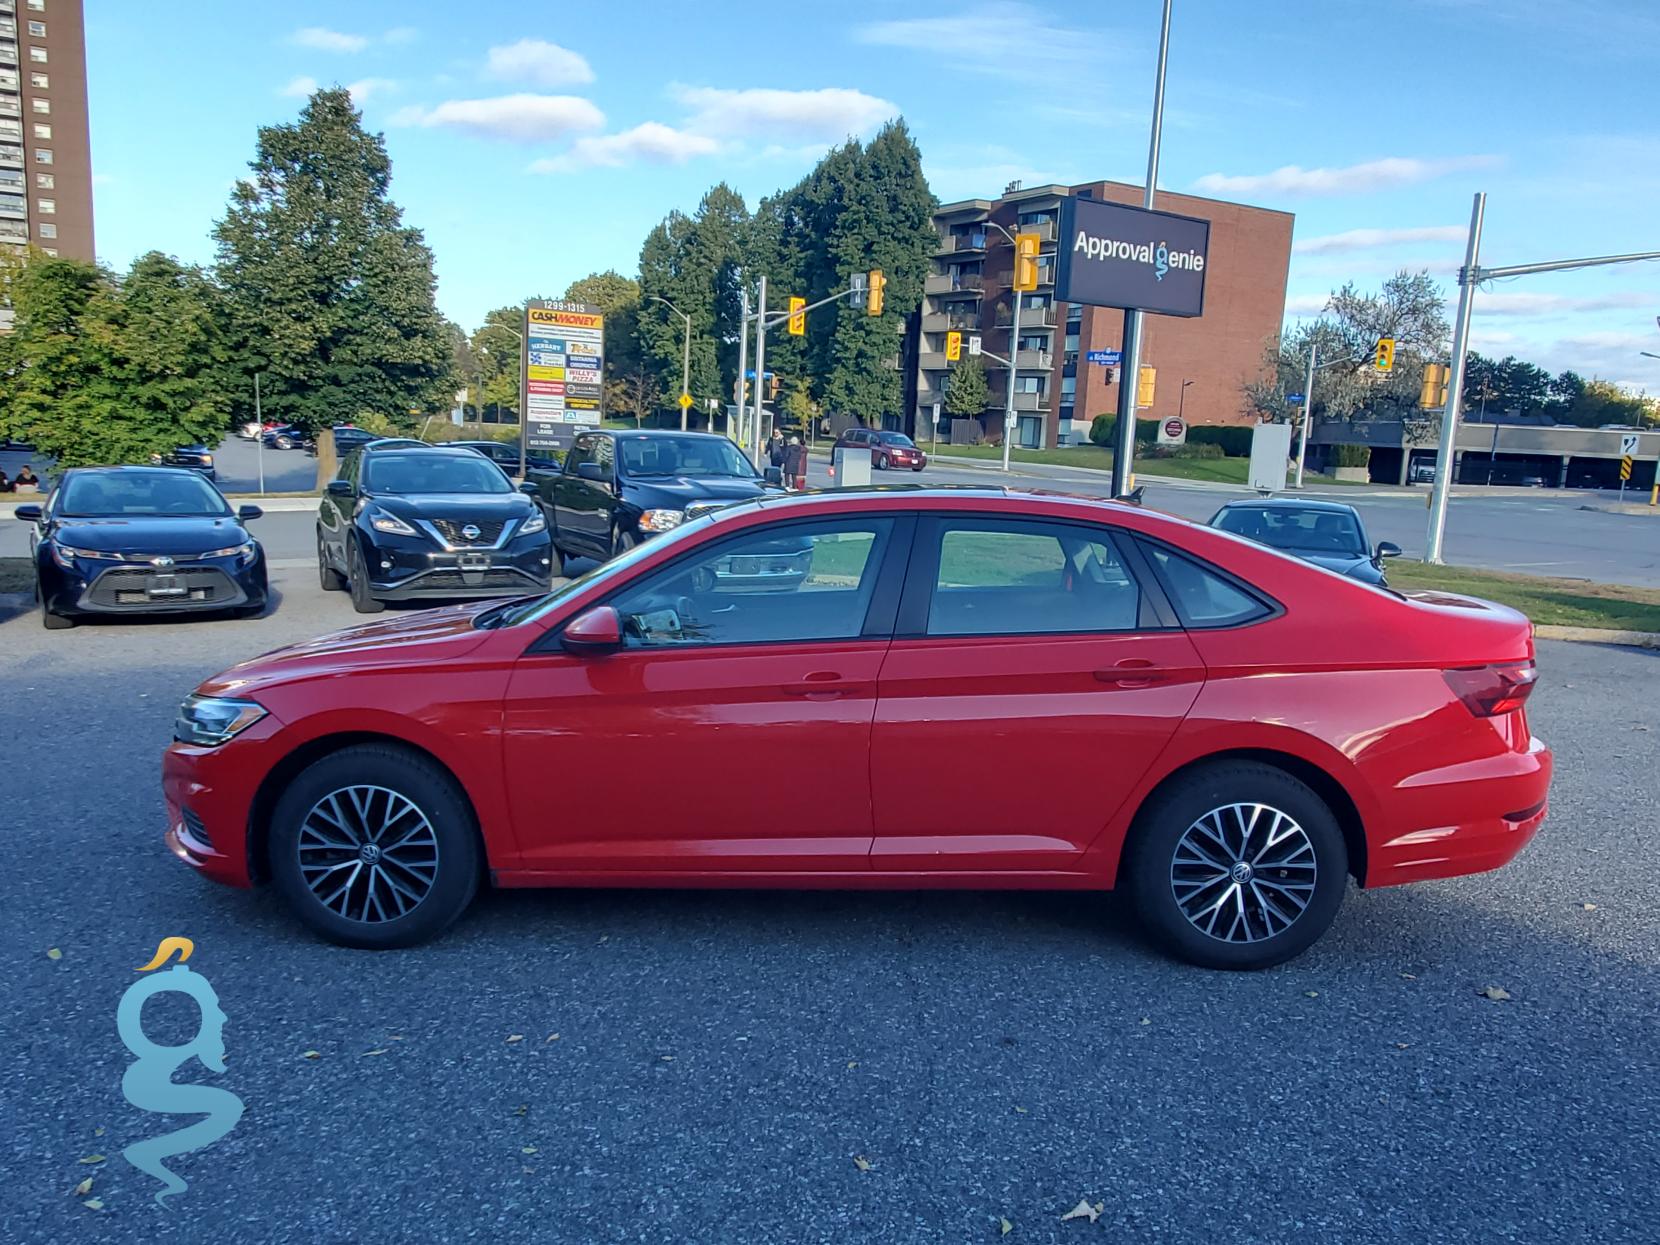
<point x="775" y="586"/>
<point x="1203" y="596"/>
<point x="700" y="457"/>
<point x="1008" y="577"/>
<point x="581" y="452"/>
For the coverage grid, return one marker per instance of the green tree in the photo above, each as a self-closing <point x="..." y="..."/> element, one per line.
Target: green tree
<point x="495" y="347"/>
<point x="330" y="294"/>
<point x="799" y="408"/>
<point x="968" y="394"/>
<point x="618" y="298"/>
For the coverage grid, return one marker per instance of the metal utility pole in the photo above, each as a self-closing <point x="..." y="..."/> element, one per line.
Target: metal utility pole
<point x="1129" y="379"/>
<point x="1308" y="411"/>
<point x="760" y="369"/>
<point x="259" y="439"/>
<point x="685" y="360"/>
<point x="743" y="361"/>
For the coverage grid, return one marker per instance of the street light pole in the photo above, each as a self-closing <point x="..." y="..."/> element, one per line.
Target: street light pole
<point x="1014" y="350"/>
<point x="1129" y="379"/>
<point x="259" y="438"/>
<point x="1467" y="277"/>
<point x="1181" y="403"/>
<point x="760" y="368"/>
<point x="685" y="359"/>
<point x="1308" y="410"/>
<point x="743" y="362"/>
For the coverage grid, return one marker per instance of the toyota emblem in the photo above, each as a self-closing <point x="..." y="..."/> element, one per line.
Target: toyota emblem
<point x="471" y="531"/>
<point x="164" y="561"/>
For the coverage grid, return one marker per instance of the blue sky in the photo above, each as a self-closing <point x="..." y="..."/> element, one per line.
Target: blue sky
<point x="534" y="143"/>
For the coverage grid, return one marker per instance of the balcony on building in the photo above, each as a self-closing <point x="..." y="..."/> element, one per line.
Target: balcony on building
<point x="958" y="316"/>
<point x="8" y="51"/>
<point x="11" y="155"/>
<point x="966" y="241"/>
<point x="942" y="284"/>
<point x="1026" y="401"/>
<point x="1030" y="317"/>
<point x="933" y="361"/>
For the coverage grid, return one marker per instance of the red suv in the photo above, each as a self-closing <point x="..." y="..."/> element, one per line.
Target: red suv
<point x="887" y="449"/>
<point x="1002" y="690"/>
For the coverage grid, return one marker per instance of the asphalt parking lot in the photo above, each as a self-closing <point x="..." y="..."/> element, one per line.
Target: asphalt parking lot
<point x="648" y="1066"/>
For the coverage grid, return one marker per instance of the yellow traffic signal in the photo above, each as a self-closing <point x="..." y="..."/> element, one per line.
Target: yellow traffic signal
<point x="876" y="283"/>
<point x="1144" y="389"/>
<point x="1384" y="359"/>
<point x="1025" y="261"/>
<point x="1434" y="391"/>
<point x="798" y="317"/>
<point x="953" y="346"/>
<point x="772" y="388"/>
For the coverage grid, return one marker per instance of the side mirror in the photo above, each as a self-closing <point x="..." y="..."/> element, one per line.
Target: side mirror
<point x="529" y="486"/>
<point x="1388" y="549"/>
<point x="775" y="475"/>
<point x="593" y="633"/>
<point x="594" y="472"/>
<point x="29" y="513"/>
<point x="340" y="488"/>
<point x="245" y="513"/>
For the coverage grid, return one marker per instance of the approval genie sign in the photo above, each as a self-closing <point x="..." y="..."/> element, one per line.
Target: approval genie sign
<point x="1110" y="255"/>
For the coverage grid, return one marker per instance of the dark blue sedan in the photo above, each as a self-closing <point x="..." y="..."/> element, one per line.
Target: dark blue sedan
<point x="142" y="540"/>
<point x="1326" y="533"/>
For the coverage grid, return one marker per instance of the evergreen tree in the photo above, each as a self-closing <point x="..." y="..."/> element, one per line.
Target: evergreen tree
<point x="330" y="295"/>
<point x="618" y="298"/>
<point x="968" y="394"/>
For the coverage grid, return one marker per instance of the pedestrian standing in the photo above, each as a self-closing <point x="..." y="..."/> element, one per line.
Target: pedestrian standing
<point x="795" y="464"/>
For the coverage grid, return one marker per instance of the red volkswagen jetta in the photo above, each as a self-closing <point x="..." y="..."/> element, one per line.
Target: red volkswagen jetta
<point x="992" y="689"/>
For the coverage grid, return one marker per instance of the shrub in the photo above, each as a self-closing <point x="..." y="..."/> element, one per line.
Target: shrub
<point x="1352" y="456"/>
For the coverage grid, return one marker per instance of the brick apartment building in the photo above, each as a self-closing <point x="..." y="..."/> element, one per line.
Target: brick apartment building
<point x="45" y="150"/>
<point x="1201" y="362"/>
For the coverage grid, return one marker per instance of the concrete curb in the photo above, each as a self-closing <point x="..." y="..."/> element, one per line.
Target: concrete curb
<point x="1627" y="508"/>
<point x="1597" y="635"/>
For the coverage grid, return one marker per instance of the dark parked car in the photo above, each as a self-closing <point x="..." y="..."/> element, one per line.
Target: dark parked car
<point x="505" y="454"/>
<point x="141" y="540"/>
<point x="195" y="457"/>
<point x="428" y="522"/>
<point x="887" y="449"/>
<point x="1326" y="533"/>
<point x="348" y="437"/>
<point x="288" y="437"/>
<point x="616" y="489"/>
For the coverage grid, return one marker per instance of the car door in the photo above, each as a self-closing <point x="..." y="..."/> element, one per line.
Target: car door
<point x="582" y="507"/>
<point x="334" y="513"/>
<point x="731" y="733"/>
<point x="1037" y="671"/>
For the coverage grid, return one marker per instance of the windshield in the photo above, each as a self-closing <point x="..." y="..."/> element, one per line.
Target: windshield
<point x="895" y="438"/>
<point x="699" y="456"/>
<point x="185" y="495"/>
<point x="429" y="472"/>
<point x="1299" y="531"/>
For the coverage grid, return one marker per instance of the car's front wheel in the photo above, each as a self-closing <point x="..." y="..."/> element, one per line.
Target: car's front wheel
<point x="54" y="622"/>
<point x="1236" y="865"/>
<point x="375" y="846"/>
<point x="328" y="578"/>
<point x="364" y="600"/>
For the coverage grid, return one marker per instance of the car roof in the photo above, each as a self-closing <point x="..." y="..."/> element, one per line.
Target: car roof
<point x="653" y="433"/>
<point x="131" y="469"/>
<point x="1291" y="503"/>
<point x="948" y="497"/>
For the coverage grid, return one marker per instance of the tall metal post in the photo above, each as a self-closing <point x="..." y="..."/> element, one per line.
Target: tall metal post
<point x="259" y="440"/>
<point x="1467" y="277"/>
<point x="1014" y="358"/>
<point x="686" y="371"/>
<point x="743" y="362"/>
<point x="1308" y="410"/>
<point x="760" y="370"/>
<point x="1129" y="380"/>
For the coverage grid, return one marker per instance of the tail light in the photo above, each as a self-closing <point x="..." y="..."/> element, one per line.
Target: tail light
<point x="1488" y="691"/>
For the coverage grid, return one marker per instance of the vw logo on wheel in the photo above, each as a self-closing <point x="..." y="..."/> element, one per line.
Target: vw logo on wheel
<point x="471" y="531"/>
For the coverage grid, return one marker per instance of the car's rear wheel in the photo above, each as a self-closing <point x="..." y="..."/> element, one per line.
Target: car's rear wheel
<point x="328" y="578"/>
<point x="1236" y="865"/>
<point x="364" y="600"/>
<point x="375" y="847"/>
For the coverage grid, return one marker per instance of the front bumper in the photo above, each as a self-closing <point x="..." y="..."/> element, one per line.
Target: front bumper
<point x="115" y="588"/>
<point x="413" y="568"/>
<point x="209" y="793"/>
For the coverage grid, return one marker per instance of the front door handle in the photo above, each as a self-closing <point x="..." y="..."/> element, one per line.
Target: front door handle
<point x="820" y="685"/>
<point x="1132" y="672"/>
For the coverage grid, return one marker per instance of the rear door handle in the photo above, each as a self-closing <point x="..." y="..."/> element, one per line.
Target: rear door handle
<point x="1132" y="672"/>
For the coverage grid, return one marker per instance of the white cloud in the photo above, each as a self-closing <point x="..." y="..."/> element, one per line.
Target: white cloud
<point x="1368" y="239"/>
<point x="363" y="88"/>
<point x="649" y="143"/>
<point x="1373" y="175"/>
<point x="539" y="63"/>
<point x="322" y="39"/>
<point x="1004" y="40"/>
<point x="828" y="114"/>
<point x="517" y="118"/>
<point x="1306" y="304"/>
<point x="300" y="87"/>
<point x="401" y="34"/>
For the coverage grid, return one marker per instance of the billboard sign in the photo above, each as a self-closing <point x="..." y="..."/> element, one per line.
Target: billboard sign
<point x="563" y="357"/>
<point x="1110" y="255"/>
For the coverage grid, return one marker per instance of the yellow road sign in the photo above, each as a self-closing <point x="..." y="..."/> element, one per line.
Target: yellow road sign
<point x="1625" y="467"/>
<point x="685" y="401"/>
<point x="953" y="346"/>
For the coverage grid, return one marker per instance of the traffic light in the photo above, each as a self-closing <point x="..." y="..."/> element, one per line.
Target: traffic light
<point x="1384" y="359"/>
<point x="1144" y="389"/>
<point x="743" y="400"/>
<point x="772" y="388"/>
<point x="875" y="284"/>
<point x="1434" y="392"/>
<point x="798" y="317"/>
<point x="1025" y="261"/>
<point x="953" y="346"/>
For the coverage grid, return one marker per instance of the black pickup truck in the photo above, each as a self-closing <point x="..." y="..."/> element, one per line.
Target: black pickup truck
<point x="617" y="489"/>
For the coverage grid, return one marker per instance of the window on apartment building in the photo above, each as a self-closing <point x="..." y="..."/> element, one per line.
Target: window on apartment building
<point x="1069" y="387"/>
<point x="1071" y="344"/>
<point x="12" y="205"/>
<point x="43" y="130"/>
<point x="40" y="80"/>
<point x="50" y="250"/>
<point x="1029" y="384"/>
<point x="38" y="29"/>
<point x="1034" y="341"/>
<point x="47" y="230"/>
<point x="45" y="181"/>
<point x="47" y="207"/>
<point x="38" y="6"/>
<point x="11" y="129"/>
<point x="37" y="55"/>
<point x="41" y="105"/>
<point x="43" y="155"/>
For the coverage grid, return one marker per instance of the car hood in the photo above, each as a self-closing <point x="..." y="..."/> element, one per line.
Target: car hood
<point x="458" y="506"/>
<point x="699" y="488"/>
<point x="150" y="535"/>
<point x="1355" y="567"/>
<point x="413" y="639"/>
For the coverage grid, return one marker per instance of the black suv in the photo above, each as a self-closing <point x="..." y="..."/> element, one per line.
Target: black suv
<point x="505" y="454"/>
<point x="399" y="524"/>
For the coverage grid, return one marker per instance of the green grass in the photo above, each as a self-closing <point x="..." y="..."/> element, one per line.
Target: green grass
<point x="1093" y="457"/>
<point x="1553" y="602"/>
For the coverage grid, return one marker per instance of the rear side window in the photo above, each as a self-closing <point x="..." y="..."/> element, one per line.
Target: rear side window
<point x="1203" y="596"/>
<point x="999" y="577"/>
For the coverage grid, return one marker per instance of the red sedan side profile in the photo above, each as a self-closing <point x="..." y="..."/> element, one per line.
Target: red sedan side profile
<point x="995" y="690"/>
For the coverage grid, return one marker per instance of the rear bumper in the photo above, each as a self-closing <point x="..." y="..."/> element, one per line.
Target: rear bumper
<point x="1471" y="818"/>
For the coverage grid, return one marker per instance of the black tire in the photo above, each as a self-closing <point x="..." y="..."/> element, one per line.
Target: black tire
<point x="558" y="558"/>
<point x="452" y="847"/>
<point x="55" y="622"/>
<point x="622" y="543"/>
<point x="918" y="467"/>
<point x="283" y="443"/>
<point x="881" y="462"/>
<point x="357" y="578"/>
<point x="1151" y="868"/>
<point x="329" y="579"/>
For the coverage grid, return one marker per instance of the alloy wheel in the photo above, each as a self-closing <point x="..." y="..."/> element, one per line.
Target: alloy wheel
<point x="1244" y="873"/>
<point x="368" y="854"/>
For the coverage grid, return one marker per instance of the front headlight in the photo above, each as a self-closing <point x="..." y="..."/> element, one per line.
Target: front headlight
<point x="382" y="521"/>
<point x="64" y="555"/>
<point x="207" y="460"/>
<point x="537" y="522"/>
<point x="243" y="552"/>
<point x="661" y="520"/>
<point x="212" y="720"/>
